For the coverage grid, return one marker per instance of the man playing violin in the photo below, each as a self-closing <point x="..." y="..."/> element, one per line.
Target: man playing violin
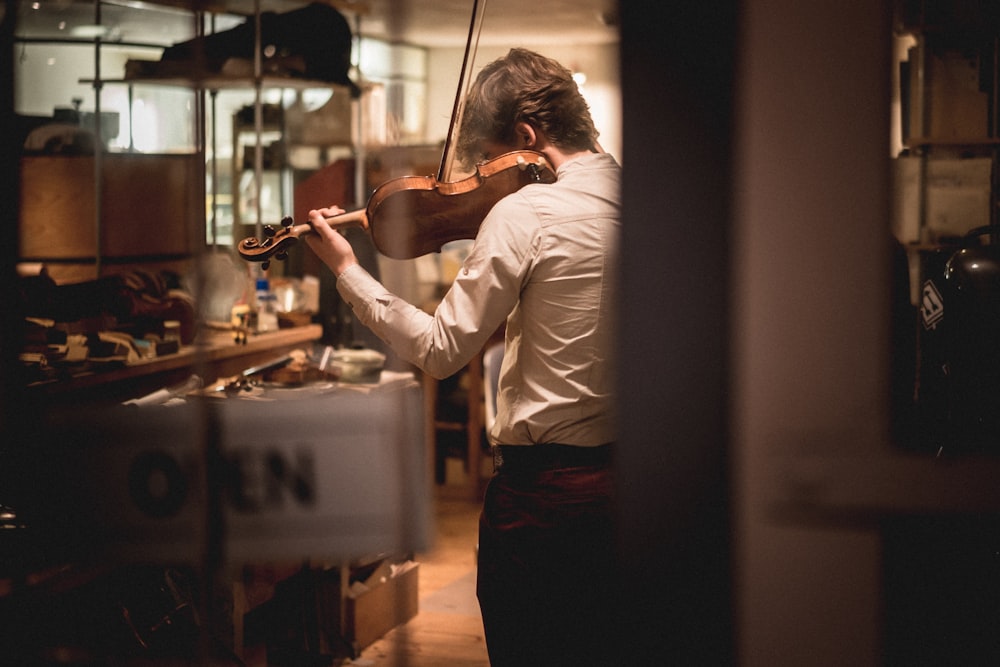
<point x="545" y="263"/>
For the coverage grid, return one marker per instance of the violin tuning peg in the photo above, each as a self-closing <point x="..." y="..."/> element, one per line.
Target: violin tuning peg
<point x="269" y="231"/>
<point x="287" y="221"/>
<point x="281" y="255"/>
<point x="264" y="265"/>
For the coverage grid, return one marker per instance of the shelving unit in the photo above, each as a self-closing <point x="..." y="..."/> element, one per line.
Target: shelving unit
<point x="465" y="422"/>
<point x="950" y="101"/>
<point x="947" y="181"/>
<point x="84" y="211"/>
<point x="214" y="355"/>
<point x="151" y="210"/>
<point x="290" y="139"/>
<point x="259" y="166"/>
<point x="122" y="35"/>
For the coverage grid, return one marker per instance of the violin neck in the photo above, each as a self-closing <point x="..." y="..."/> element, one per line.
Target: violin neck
<point x="358" y="218"/>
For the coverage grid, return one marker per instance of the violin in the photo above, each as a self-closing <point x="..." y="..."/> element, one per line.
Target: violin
<point x="415" y="215"/>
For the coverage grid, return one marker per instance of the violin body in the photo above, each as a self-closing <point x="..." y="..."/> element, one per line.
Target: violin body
<point x="415" y="215"/>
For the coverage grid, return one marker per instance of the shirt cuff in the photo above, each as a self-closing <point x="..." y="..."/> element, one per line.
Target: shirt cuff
<point x="352" y="266"/>
<point x="356" y="285"/>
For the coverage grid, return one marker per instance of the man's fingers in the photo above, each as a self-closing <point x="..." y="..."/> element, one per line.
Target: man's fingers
<point x="317" y="218"/>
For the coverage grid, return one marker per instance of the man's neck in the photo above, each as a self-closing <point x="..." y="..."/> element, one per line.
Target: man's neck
<point x="559" y="157"/>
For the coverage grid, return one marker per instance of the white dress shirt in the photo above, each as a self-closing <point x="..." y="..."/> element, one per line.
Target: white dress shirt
<point x="545" y="259"/>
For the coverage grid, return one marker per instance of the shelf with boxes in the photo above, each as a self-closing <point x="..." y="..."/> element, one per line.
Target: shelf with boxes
<point x="946" y="197"/>
<point x="948" y="91"/>
<point x="158" y="76"/>
<point x="141" y="191"/>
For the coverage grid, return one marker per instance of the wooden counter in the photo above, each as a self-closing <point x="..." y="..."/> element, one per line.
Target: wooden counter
<point x="213" y="356"/>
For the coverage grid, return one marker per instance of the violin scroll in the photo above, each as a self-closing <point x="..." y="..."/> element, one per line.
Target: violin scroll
<point x="275" y="244"/>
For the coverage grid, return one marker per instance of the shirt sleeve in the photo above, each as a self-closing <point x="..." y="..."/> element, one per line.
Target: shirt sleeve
<point x="483" y="294"/>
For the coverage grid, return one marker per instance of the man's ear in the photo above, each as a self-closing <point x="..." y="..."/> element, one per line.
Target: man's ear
<point x="526" y="136"/>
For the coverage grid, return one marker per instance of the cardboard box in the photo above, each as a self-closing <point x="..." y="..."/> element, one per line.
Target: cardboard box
<point x="152" y="212"/>
<point x="946" y="101"/>
<point x="283" y="607"/>
<point x="387" y="602"/>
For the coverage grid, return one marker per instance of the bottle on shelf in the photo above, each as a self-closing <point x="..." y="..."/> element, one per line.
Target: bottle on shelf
<point x="267" y="307"/>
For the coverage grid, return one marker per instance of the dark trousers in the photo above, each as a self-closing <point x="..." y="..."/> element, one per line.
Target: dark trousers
<point x="546" y="572"/>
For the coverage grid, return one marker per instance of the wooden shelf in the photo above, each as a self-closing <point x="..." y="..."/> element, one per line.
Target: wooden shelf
<point x="248" y="7"/>
<point x="916" y="142"/>
<point x="211" y="81"/>
<point x="472" y="426"/>
<point x="866" y="489"/>
<point x="214" y="356"/>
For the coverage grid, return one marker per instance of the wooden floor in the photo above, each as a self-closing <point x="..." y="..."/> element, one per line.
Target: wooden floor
<point x="447" y="631"/>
